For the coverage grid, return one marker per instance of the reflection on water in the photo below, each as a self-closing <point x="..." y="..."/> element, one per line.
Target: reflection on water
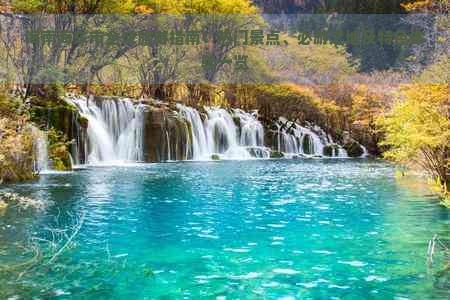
<point x="235" y="229"/>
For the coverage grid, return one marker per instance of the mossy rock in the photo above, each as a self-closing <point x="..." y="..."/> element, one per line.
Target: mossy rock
<point x="220" y="141"/>
<point x="331" y="150"/>
<point x="276" y="154"/>
<point x="354" y="149"/>
<point x="328" y="150"/>
<point x="61" y="163"/>
<point x="215" y="157"/>
<point x="252" y="152"/>
<point x="83" y="121"/>
<point x="53" y="113"/>
<point x="60" y="157"/>
<point x="237" y="121"/>
<point x="307" y="145"/>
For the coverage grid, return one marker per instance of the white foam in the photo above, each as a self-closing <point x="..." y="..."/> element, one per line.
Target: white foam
<point x="353" y="263"/>
<point x="237" y="250"/>
<point x="251" y="275"/>
<point x="285" y="271"/>
<point x="375" y="278"/>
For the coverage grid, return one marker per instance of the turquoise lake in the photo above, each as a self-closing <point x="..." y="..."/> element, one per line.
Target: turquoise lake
<point x="255" y="229"/>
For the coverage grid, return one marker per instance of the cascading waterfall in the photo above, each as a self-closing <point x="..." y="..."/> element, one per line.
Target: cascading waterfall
<point x="218" y="133"/>
<point x="115" y="131"/>
<point x="252" y="131"/>
<point x="221" y="133"/>
<point x="294" y="139"/>
<point x="115" y="134"/>
<point x="199" y="142"/>
<point x="365" y="152"/>
<point x="41" y="163"/>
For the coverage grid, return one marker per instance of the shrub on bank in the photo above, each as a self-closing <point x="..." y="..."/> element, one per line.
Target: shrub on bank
<point x="16" y="150"/>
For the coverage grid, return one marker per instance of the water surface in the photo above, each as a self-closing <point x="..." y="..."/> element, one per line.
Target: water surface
<point x="262" y="229"/>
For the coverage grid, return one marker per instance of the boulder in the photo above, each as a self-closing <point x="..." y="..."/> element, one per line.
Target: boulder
<point x="354" y="149"/>
<point x="64" y="118"/>
<point x="307" y="145"/>
<point x="167" y="136"/>
<point x="331" y="150"/>
<point x="271" y="139"/>
<point x="276" y="154"/>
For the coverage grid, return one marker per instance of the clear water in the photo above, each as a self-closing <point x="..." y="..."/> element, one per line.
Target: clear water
<point x="271" y="229"/>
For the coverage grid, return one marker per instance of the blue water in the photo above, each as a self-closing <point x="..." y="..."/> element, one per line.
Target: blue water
<point x="271" y="229"/>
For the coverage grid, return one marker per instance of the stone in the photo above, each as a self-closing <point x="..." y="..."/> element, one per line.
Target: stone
<point x="166" y="135"/>
<point x="276" y="154"/>
<point x="354" y="149"/>
<point x="271" y="139"/>
<point x="331" y="150"/>
<point x="307" y="144"/>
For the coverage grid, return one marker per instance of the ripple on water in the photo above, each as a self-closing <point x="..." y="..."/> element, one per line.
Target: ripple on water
<point x="353" y="263"/>
<point x="233" y="233"/>
<point x="251" y="275"/>
<point x="237" y="250"/>
<point x="283" y="202"/>
<point x="276" y="225"/>
<point x="285" y="271"/>
<point x="324" y="252"/>
<point x="271" y="284"/>
<point x="308" y="285"/>
<point x="375" y="278"/>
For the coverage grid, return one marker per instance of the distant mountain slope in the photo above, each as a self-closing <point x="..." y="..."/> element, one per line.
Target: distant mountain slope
<point x="330" y="6"/>
<point x="289" y="6"/>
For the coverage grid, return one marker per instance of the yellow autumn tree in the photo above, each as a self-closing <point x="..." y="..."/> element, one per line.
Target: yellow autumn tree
<point x="366" y="106"/>
<point x="417" y="129"/>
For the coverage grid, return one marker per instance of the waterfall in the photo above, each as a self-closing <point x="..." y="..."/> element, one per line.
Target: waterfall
<point x="41" y="163"/>
<point x="221" y="134"/>
<point x="115" y="130"/>
<point x="168" y="145"/>
<point x="231" y="134"/>
<point x="342" y="152"/>
<point x="199" y="142"/>
<point x="115" y="134"/>
<point x="252" y="131"/>
<point x="304" y="140"/>
<point x="365" y="152"/>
